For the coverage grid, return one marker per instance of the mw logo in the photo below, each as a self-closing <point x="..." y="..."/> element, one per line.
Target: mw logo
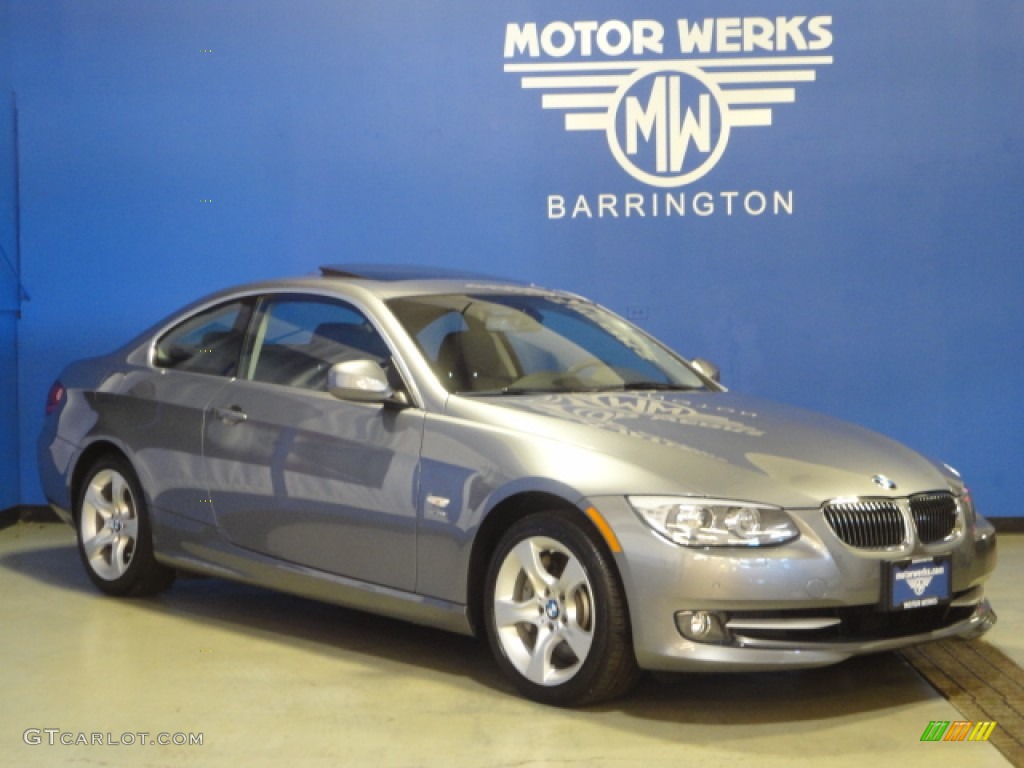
<point x="958" y="730"/>
<point x="668" y="127"/>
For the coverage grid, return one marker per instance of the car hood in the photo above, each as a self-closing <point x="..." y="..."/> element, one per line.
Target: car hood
<point x="721" y="444"/>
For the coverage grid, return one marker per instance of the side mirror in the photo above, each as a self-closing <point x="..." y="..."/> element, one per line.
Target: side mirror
<point x="360" y="380"/>
<point x="707" y="369"/>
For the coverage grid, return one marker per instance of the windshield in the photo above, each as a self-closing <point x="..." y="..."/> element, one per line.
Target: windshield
<point x="523" y="343"/>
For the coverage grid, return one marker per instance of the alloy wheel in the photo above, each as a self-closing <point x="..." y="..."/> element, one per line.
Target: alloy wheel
<point x="109" y="524"/>
<point x="544" y="610"/>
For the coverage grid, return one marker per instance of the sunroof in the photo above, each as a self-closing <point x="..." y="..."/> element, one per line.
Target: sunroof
<point x="392" y="272"/>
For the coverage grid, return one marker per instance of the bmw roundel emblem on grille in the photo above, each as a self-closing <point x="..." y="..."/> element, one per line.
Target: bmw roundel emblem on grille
<point x="884" y="482"/>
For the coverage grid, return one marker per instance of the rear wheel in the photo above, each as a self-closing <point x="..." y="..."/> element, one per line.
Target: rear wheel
<point x="555" y="613"/>
<point x="114" y="536"/>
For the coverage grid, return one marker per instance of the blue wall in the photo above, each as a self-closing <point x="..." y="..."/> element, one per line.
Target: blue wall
<point x="173" y="147"/>
<point x="9" y="293"/>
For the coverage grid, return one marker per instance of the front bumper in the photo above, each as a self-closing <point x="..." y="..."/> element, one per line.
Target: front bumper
<point x="809" y="603"/>
<point x="747" y="652"/>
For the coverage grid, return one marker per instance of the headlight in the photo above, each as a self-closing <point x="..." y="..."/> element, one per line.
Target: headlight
<point x="962" y="494"/>
<point x="714" y="522"/>
<point x="967" y="505"/>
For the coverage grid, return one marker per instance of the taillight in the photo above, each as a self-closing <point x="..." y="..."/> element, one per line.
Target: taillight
<point x="54" y="397"/>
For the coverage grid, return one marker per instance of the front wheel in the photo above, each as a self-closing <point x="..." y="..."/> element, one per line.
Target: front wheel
<point x="114" y="538"/>
<point x="555" y="613"/>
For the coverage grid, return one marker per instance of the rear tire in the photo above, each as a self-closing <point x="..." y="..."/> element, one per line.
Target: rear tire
<point x="555" y="613"/>
<point x="114" y="535"/>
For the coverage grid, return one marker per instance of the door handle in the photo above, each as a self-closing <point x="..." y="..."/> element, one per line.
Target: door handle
<point x="232" y="415"/>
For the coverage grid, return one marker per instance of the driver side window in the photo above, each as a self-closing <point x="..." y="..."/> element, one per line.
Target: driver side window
<point x="298" y="338"/>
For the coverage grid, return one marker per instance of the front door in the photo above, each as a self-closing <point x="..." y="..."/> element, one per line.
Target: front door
<point x="298" y="475"/>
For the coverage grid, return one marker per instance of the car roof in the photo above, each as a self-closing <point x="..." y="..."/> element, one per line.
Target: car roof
<point x="382" y="281"/>
<point x="396" y="280"/>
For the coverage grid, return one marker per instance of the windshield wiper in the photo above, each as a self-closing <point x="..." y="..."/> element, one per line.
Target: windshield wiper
<point x="629" y="386"/>
<point x="516" y="391"/>
<point x="660" y="386"/>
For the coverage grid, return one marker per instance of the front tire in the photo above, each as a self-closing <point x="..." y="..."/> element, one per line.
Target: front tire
<point x="556" y="615"/>
<point x="114" y="535"/>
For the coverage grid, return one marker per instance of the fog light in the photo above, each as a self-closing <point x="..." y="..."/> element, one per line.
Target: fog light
<point x="702" y="626"/>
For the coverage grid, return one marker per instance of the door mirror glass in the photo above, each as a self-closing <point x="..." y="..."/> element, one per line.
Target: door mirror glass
<point x="360" y="380"/>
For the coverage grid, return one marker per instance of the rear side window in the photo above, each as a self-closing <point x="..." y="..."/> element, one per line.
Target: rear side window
<point x="209" y="342"/>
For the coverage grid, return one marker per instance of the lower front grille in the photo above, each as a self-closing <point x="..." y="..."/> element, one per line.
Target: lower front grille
<point x="860" y="623"/>
<point x="867" y="523"/>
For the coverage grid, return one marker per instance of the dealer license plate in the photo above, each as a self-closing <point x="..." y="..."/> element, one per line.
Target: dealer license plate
<point x="919" y="582"/>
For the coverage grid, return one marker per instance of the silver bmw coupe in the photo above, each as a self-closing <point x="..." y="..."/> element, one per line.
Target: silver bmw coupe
<point x="493" y="458"/>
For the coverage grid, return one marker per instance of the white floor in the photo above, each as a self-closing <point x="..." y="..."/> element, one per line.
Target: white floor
<point x="270" y="680"/>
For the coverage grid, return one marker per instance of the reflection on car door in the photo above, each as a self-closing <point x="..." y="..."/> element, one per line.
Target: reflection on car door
<point x="160" y="413"/>
<point x="295" y="473"/>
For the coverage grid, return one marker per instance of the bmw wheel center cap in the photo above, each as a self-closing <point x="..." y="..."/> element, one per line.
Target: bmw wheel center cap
<point x="552" y="609"/>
